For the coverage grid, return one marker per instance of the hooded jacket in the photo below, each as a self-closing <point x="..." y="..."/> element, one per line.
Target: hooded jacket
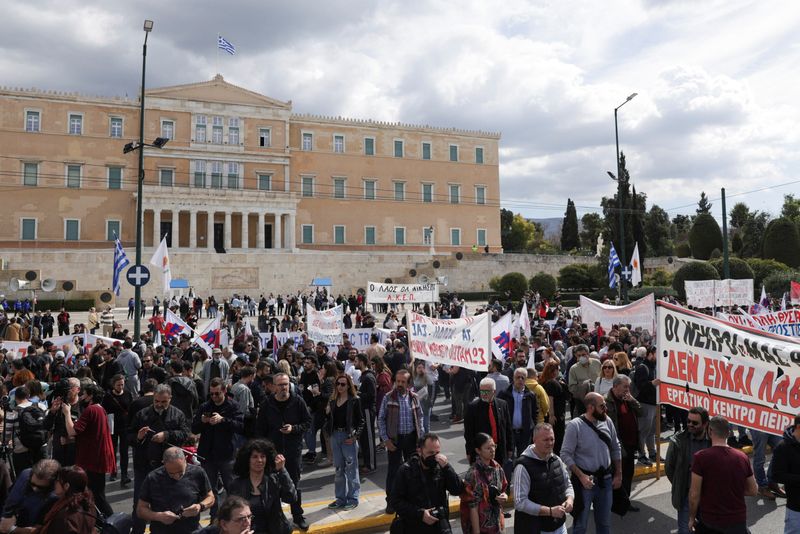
<point x="786" y="468"/>
<point x="184" y="395"/>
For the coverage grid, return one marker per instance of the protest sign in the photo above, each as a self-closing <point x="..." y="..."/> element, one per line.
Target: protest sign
<point x="462" y="342"/>
<point x="637" y="314"/>
<point x="325" y="325"/>
<point x="380" y="293"/>
<point x="785" y="323"/>
<point x="750" y="377"/>
<point x="359" y="337"/>
<point x="21" y="347"/>
<point x="700" y="293"/>
<point x="710" y="293"/>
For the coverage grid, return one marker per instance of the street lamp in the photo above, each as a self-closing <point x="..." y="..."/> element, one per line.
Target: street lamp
<point x="620" y="181"/>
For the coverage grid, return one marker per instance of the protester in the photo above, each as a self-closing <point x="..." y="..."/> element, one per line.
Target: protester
<point x="582" y="376"/>
<point x="523" y="408"/>
<point x="30" y="497"/>
<point x="678" y="465"/>
<point x="345" y="424"/>
<point x="63" y="444"/>
<point x="367" y="392"/>
<point x="646" y="383"/>
<point x="605" y="381"/>
<point x="785" y="467"/>
<point x="622" y="410"/>
<point x="485" y="490"/>
<point x="72" y="512"/>
<point x="557" y="395"/>
<point x="489" y="415"/>
<point x="117" y="403"/>
<point x="235" y="517"/>
<point x="767" y="487"/>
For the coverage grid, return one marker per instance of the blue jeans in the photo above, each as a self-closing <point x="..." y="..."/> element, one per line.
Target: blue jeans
<point x="791" y="524"/>
<point x="600" y="499"/>
<point x="760" y="442"/>
<point x="683" y="517"/>
<point x="345" y="462"/>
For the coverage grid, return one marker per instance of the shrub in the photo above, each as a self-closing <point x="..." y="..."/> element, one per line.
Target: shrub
<point x="695" y="270"/>
<point x="782" y="242"/>
<point x="544" y="283"/>
<point x="515" y="284"/>
<point x="704" y="236"/>
<point x="659" y="277"/>
<point x="779" y="283"/>
<point x="659" y="292"/>
<point x="739" y="269"/>
<point x="494" y="283"/>
<point x="737" y="243"/>
<point x="715" y="254"/>
<point x="682" y="250"/>
<point x="578" y="276"/>
<point x="763" y="268"/>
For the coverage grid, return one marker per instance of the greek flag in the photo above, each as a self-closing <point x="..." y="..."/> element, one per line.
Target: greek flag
<point x="225" y="45"/>
<point x="613" y="262"/>
<point x="120" y="262"/>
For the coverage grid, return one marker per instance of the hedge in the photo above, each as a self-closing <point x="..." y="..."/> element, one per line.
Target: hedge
<point x="763" y="268"/>
<point x="782" y="242"/>
<point x="695" y="270"/>
<point x="779" y="283"/>
<point x="544" y="283"/>
<point x="739" y="269"/>
<point x="705" y="236"/>
<point x="513" y="283"/>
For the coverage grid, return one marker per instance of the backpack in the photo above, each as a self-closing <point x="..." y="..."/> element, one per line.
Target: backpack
<point x="31" y="431"/>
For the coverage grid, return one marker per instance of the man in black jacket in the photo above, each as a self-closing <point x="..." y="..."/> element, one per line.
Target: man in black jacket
<point x="367" y="392"/>
<point x="284" y="419"/>
<point x="523" y="409"/>
<point x="786" y="470"/>
<point x="151" y="432"/>
<point x="419" y="493"/>
<point x="150" y="370"/>
<point x="646" y="384"/>
<point x="218" y="421"/>
<point x="489" y="415"/>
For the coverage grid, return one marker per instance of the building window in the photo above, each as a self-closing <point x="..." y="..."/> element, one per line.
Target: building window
<point x="165" y="177"/>
<point x="480" y="194"/>
<point x="369" y="235"/>
<point x="478" y="154"/>
<point x="30" y="174"/>
<point x="427" y="193"/>
<point x="73" y="176"/>
<point x="113" y="230"/>
<point x="308" y="186"/>
<point x="264" y="137"/>
<point x="308" y="141"/>
<point x="455" y="194"/>
<point x="216" y="135"/>
<point x="32" y="121"/>
<point x="168" y="129"/>
<point x="216" y="174"/>
<point x="75" y="124"/>
<point x="399" y="235"/>
<point x="265" y="182"/>
<point x="426" y="151"/>
<point x="369" y="189"/>
<point x="200" y="174"/>
<point x="115" y="177"/>
<point x="398" y="148"/>
<point x="115" y="126"/>
<point x="338" y="235"/>
<point x="427" y="235"/>
<point x="308" y="234"/>
<point x="453" y="152"/>
<point x="233" y="175"/>
<point x="400" y="191"/>
<point x="233" y="131"/>
<point x="338" y="144"/>
<point x="455" y="236"/>
<point x="338" y="187"/>
<point x="481" y="237"/>
<point x="369" y="146"/>
<point x="72" y="229"/>
<point x="200" y="129"/>
<point x="28" y="229"/>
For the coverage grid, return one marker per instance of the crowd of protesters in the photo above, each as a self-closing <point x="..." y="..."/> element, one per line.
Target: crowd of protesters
<point x="561" y="420"/>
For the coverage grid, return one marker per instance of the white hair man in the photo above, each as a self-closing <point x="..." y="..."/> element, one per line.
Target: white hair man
<point x="490" y="415"/>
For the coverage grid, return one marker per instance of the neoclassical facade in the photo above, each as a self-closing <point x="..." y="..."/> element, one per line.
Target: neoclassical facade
<point x="240" y="171"/>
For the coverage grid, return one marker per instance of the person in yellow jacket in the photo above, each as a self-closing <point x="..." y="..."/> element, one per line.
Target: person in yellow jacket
<point x="541" y="395"/>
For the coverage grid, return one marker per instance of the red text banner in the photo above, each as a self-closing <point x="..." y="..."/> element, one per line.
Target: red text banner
<point x="460" y="342"/>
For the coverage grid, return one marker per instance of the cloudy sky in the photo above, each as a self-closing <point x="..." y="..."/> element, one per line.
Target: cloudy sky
<point x="716" y="80"/>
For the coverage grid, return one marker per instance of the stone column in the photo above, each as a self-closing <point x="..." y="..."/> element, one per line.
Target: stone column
<point x="192" y="229"/>
<point x="210" y="230"/>
<point x="176" y="228"/>
<point x="227" y="230"/>
<point x="290" y="231"/>
<point x="277" y="242"/>
<point x="260" y="231"/>
<point x="156" y="226"/>
<point x="245" y="230"/>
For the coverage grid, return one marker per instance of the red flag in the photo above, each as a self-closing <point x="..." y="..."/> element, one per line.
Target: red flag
<point x="795" y="294"/>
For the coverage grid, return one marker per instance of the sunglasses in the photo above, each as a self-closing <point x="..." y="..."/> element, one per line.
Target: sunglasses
<point x="608" y="367"/>
<point x="341" y="384"/>
<point x="694" y="423"/>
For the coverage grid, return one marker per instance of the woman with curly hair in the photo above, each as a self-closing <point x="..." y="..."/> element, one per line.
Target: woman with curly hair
<point x="73" y="512"/>
<point x="263" y="482"/>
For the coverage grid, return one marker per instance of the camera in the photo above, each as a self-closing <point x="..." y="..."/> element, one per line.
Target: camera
<point x="494" y="491"/>
<point x="440" y="512"/>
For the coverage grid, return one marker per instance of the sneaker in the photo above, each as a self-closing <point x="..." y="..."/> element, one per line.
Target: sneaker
<point x="766" y="493"/>
<point x="309" y="457"/>
<point x="301" y="522"/>
<point x="112" y="477"/>
<point x="653" y="458"/>
<point x="776" y="490"/>
<point x="335" y="505"/>
<point x="389" y="509"/>
<point x="350" y="506"/>
<point x="644" y="460"/>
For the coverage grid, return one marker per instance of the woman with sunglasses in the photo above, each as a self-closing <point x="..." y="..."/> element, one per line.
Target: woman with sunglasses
<point x="608" y="371"/>
<point x="234" y="517"/>
<point x="344" y="425"/>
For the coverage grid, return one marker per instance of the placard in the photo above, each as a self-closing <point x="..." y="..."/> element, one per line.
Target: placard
<point x="325" y="325"/>
<point x="637" y="314"/>
<point x="380" y="293"/>
<point x="785" y="323"/>
<point x="462" y="342"/>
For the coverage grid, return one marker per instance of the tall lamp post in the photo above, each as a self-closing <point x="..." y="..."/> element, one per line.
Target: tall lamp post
<point x="620" y="181"/>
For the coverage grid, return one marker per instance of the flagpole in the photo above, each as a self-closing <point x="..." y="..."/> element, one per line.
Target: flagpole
<point x="216" y="66"/>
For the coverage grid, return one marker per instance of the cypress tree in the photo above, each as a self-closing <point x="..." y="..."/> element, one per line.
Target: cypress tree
<point x="569" y="228"/>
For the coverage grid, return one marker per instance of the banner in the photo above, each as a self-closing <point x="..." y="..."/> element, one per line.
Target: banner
<point x="359" y="337"/>
<point x="750" y="377"/>
<point x="379" y="293"/>
<point x="785" y="323"/>
<point x="501" y="337"/>
<point x="460" y="342"/>
<point x="710" y="293"/>
<point x="640" y="313"/>
<point x="21" y="347"/>
<point x="325" y="325"/>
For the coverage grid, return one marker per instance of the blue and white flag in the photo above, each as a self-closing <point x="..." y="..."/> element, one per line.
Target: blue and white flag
<point x="613" y="263"/>
<point x="120" y="262"/>
<point x="224" y="44"/>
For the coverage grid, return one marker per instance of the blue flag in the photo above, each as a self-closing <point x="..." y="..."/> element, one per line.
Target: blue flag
<point x="120" y="262"/>
<point x="613" y="263"/>
<point x="224" y="44"/>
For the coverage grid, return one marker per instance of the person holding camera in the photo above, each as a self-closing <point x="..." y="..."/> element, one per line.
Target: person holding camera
<point x="485" y="490"/>
<point x="419" y="494"/>
<point x="174" y="495"/>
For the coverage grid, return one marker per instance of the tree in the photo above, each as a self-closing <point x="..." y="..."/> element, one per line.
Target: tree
<point x="514" y="285"/>
<point x="520" y="233"/>
<point x="544" y="284"/>
<point x="656" y="231"/>
<point x="782" y="242"/>
<point x="705" y="236"/>
<point x="638" y="215"/>
<point x="569" y="228"/>
<point x="694" y="270"/>
<point x="753" y="234"/>
<point x="791" y="208"/>
<point x="681" y="224"/>
<point x="703" y="206"/>
<point x="592" y="224"/>
<point x="506" y="220"/>
<point x="739" y="215"/>
<point x="764" y="268"/>
<point x="576" y="276"/>
<point x="611" y="214"/>
<point x="739" y="269"/>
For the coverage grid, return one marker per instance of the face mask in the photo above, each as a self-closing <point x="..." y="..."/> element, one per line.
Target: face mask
<point x="430" y="461"/>
<point x="583" y="359"/>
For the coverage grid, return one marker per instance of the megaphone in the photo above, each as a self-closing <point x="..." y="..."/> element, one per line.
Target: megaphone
<point x="16" y="284"/>
<point x="423" y="279"/>
<point x="48" y="284"/>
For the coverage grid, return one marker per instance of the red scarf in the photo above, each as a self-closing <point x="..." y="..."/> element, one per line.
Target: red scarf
<point x="492" y="423"/>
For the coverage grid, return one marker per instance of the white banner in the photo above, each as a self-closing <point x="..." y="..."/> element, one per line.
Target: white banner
<point x="710" y="293"/>
<point x="748" y="376"/>
<point x="460" y="342"/>
<point x="325" y="325"/>
<point x="785" y="323"/>
<point x="640" y="313"/>
<point x="359" y="337"/>
<point x="379" y="293"/>
<point x="21" y="347"/>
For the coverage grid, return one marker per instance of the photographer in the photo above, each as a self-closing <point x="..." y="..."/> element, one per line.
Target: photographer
<point x="66" y="392"/>
<point x="419" y="493"/>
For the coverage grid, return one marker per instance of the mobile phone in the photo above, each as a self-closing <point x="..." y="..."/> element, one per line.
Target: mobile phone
<point x="208" y="414"/>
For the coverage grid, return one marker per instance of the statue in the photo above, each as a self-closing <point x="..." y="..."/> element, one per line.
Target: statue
<point x="599" y="245"/>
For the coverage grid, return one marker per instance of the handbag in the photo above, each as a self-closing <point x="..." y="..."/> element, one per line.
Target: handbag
<point x="620" y="502"/>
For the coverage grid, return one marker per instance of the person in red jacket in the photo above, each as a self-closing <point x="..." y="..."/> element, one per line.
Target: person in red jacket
<point x="94" y="450"/>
